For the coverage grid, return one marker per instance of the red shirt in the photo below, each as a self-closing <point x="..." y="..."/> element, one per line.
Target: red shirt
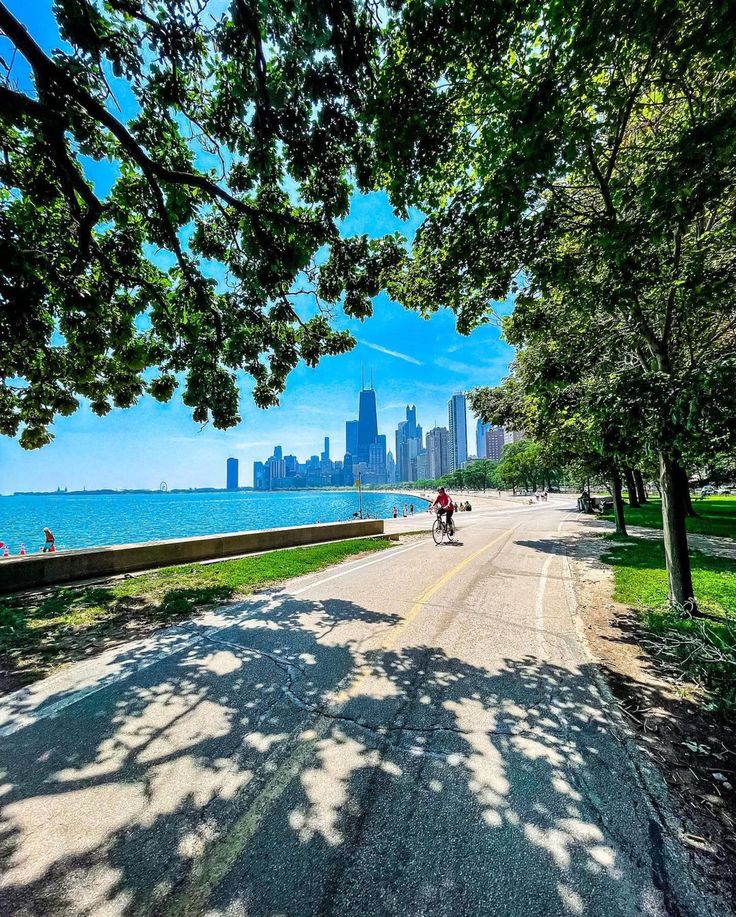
<point x="443" y="500"/>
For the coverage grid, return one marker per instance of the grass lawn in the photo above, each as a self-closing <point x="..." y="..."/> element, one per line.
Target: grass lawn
<point x="716" y="516"/>
<point x="40" y="632"/>
<point x="702" y="649"/>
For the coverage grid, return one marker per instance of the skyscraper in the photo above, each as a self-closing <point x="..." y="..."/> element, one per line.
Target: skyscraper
<point x="351" y="438"/>
<point x="438" y="452"/>
<point x="390" y="468"/>
<point x="367" y="423"/>
<point x="232" y="474"/>
<point x="512" y="436"/>
<point x="362" y="440"/>
<point x="480" y="438"/>
<point x="377" y="457"/>
<point x="458" y="431"/>
<point x="260" y="476"/>
<point x="494" y="443"/>
<point x="408" y="446"/>
<point x="422" y="465"/>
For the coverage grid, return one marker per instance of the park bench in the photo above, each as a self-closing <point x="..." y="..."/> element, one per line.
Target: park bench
<point x="597" y="505"/>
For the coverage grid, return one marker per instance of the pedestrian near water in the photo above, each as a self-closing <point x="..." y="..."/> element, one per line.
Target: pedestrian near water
<point x="396" y="512"/>
<point x="411" y="509"/>
<point x="50" y="542"/>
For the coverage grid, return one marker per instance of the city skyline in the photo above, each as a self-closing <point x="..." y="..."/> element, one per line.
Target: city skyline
<point x="366" y="456"/>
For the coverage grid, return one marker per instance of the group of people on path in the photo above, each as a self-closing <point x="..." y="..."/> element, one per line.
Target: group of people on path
<point x="408" y="510"/>
<point x="442" y="502"/>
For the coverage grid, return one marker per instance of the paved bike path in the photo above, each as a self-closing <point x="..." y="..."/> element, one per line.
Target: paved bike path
<point x="418" y="732"/>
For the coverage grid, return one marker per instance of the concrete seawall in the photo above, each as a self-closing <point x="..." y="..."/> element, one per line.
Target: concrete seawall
<point x="36" y="570"/>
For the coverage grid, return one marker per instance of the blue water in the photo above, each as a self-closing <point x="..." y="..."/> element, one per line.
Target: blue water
<point x="90" y="520"/>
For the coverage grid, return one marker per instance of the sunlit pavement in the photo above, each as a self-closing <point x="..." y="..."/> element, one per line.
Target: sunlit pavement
<point x="415" y="732"/>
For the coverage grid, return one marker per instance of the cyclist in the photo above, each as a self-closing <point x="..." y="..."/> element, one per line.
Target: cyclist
<point x="444" y="507"/>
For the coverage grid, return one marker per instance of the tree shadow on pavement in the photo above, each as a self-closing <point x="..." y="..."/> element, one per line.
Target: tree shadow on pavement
<point x="294" y="763"/>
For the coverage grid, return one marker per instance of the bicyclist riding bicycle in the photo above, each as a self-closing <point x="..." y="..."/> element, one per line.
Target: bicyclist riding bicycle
<point x="444" y="506"/>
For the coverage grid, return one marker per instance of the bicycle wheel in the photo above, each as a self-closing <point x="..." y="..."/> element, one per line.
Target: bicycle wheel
<point x="437" y="531"/>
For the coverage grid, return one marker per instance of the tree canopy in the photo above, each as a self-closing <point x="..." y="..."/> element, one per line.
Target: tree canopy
<point x="235" y="141"/>
<point x="580" y="157"/>
<point x="577" y="157"/>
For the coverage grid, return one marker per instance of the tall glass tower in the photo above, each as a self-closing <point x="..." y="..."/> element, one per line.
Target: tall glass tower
<point x="351" y="438"/>
<point x="458" y="431"/>
<point x="367" y="423"/>
<point x="232" y="474"/>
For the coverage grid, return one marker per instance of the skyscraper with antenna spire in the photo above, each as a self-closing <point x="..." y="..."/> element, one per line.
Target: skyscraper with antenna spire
<point x="362" y="439"/>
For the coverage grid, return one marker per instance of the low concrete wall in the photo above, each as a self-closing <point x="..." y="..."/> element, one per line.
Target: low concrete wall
<point x="90" y="563"/>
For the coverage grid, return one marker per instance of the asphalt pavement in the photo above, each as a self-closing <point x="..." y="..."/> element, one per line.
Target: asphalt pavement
<point x="417" y="732"/>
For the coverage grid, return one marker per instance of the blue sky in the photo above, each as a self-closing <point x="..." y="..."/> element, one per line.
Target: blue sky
<point x="414" y="361"/>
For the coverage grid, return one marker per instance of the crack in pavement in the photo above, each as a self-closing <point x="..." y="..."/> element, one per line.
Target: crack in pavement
<point x="381" y="732"/>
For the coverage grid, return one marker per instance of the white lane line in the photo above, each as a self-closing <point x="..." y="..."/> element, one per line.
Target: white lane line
<point x="386" y="556"/>
<point x="29" y="705"/>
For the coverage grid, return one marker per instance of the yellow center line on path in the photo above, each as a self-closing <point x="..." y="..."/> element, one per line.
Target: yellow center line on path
<point x="366" y="670"/>
<point x="216" y="862"/>
<point x="435" y="588"/>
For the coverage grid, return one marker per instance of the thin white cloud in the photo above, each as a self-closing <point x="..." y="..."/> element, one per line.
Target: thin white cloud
<point x="392" y="353"/>
<point x="455" y="366"/>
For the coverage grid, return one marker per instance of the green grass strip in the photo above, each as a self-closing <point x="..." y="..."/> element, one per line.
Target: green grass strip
<point x="701" y="649"/>
<point x="715" y="516"/>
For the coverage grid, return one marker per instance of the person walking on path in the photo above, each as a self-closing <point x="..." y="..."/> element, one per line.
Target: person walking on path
<point x="49" y="543"/>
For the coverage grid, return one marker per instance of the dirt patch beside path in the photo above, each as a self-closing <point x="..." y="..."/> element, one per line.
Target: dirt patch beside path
<point x="693" y="748"/>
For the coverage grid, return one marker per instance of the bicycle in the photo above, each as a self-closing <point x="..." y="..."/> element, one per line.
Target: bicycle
<point x="442" y="528"/>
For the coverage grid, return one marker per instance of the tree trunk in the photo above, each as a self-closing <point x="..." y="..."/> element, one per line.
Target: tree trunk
<point x="641" y="490"/>
<point x="679" y="575"/>
<point x="631" y="488"/>
<point x="686" y="499"/>
<point x="618" y="503"/>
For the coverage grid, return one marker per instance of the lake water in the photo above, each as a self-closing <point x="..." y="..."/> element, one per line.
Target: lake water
<point x="89" y="520"/>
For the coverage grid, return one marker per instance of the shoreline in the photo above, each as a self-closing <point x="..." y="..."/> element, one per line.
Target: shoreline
<point x="101" y="522"/>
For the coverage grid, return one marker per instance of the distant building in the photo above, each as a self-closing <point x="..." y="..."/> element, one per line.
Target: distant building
<point x="480" y="438"/>
<point x="458" y="425"/>
<point x="348" y="476"/>
<point x="232" y="474"/>
<point x="408" y="445"/>
<point x="367" y="423"/>
<point x="512" y="436"/>
<point x="422" y="465"/>
<point x="351" y="438"/>
<point x="362" y="440"/>
<point x="260" y="476"/>
<point x="377" y="459"/>
<point x="438" y="452"/>
<point x="495" y="438"/>
<point x="390" y="468"/>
